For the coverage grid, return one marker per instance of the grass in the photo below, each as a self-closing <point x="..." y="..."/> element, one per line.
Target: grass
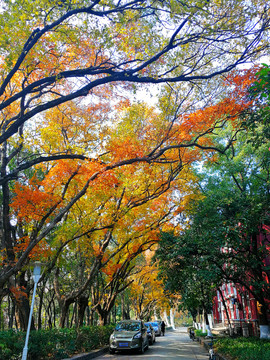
<point x="243" y="348"/>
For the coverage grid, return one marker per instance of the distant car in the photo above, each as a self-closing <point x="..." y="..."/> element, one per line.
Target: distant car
<point x="151" y="333"/>
<point x="129" y="335"/>
<point x="156" y="327"/>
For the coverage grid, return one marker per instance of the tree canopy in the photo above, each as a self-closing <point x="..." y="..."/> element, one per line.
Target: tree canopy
<point x="83" y="166"/>
<point x="227" y="239"/>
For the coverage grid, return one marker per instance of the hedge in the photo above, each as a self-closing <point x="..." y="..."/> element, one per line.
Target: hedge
<point x="200" y="333"/>
<point x="53" y="344"/>
<point x="244" y="348"/>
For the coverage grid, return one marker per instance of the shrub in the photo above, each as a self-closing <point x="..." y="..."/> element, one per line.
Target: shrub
<point x="199" y="333"/>
<point x="11" y="344"/>
<point x="53" y="344"/>
<point x="244" y="348"/>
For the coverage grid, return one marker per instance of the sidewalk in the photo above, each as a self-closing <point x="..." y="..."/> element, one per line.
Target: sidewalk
<point x="203" y="342"/>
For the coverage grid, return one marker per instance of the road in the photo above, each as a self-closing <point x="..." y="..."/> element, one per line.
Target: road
<point x="174" y="345"/>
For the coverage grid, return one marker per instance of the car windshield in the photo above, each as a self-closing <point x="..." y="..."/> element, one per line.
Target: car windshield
<point x="129" y="326"/>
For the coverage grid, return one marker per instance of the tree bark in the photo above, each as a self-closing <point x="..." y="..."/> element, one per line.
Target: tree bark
<point x="225" y="307"/>
<point x="41" y="295"/>
<point x="82" y="305"/>
<point x="64" y="311"/>
<point x="22" y="311"/>
<point x="21" y="302"/>
<point x="103" y="315"/>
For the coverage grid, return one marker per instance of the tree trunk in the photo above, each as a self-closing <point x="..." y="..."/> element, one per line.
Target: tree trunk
<point x="194" y="313"/>
<point x="225" y="307"/>
<point x="165" y="318"/>
<point x="73" y="316"/>
<point x="20" y="297"/>
<point x="123" y="306"/>
<point x="50" y="310"/>
<point x="1" y="321"/>
<point x="82" y="305"/>
<point x="91" y="318"/>
<point x="206" y="320"/>
<point x="22" y="311"/>
<point x="263" y="320"/>
<point x="103" y="315"/>
<point x="264" y="332"/>
<point x="49" y="313"/>
<point x="172" y="318"/>
<point x="41" y="295"/>
<point x="64" y="311"/>
<point x="88" y="315"/>
<point x="11" y="312"/>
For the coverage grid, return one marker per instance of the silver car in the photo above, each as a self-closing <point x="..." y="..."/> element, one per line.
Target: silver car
<point x="129" y="335"/>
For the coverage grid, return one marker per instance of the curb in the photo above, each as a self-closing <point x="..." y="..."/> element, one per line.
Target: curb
<point x="206" y="346"/>
<point x="91" y="355"/>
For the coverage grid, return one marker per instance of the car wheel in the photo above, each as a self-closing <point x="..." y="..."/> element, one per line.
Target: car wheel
<point x="112" y="351"/>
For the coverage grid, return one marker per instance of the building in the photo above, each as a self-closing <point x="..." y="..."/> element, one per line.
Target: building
<point x="235" y="309"/>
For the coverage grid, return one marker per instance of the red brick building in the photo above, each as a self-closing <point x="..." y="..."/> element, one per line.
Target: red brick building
<point x="236" y="308"/>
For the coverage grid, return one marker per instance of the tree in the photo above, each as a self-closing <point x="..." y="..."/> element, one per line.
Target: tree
<point x="42" y="199"/>
<point x="257" y="124"/>
<point x="147" y="291"/>
<point x="232" y="212"/>
<point x="54" y="55"/>
<point x="186" y="272"/>
<point x="241" y="210"/>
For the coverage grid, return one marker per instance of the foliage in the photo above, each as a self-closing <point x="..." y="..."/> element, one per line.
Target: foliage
<point x="243" y="348"/>
<point x="146" y="290"/>
<point x="235" y="210"/>
<point x="231" y="210"/>
<point x="11" y="344"/>
<point x="61" y="53"/>
<point x="257" y="124"/>
<point x="53" y="344"/>
<point x="185" y="271"/>
<point x="200" y="333"/>
<point x="185" y="321"/>
<point x="87" y="177"/>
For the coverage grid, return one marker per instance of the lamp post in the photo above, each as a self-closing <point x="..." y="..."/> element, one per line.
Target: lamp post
<point x="36" y="277"/>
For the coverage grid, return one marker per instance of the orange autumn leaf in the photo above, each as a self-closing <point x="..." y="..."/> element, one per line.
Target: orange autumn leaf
<point x="18" y="292"/>
<point x="31" y="202"/>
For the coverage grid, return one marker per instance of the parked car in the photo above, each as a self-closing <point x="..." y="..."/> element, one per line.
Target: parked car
<point x="151" y="333"/>
<point x="129" y="335"/>
<point x="156" y="327"/>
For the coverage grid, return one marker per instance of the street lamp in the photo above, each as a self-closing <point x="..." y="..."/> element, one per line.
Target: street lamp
<point x="36" y="277"/>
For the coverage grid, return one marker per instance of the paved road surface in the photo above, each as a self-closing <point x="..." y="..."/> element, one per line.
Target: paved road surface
<point x="174" y="345"/>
